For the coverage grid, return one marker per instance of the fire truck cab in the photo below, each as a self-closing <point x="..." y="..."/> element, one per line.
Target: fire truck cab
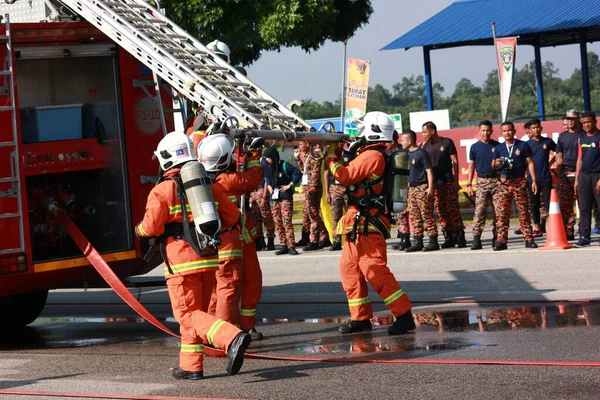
<point x="80" y="121"/>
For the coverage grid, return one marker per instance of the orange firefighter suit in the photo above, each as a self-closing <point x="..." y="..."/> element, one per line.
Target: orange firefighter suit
<point x="192" y="279"/>
<point x="364" y="259"/>
<point x="225" y="301"/>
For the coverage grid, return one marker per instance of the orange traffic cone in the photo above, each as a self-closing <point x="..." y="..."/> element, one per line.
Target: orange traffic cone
<point x="556" y="238"/>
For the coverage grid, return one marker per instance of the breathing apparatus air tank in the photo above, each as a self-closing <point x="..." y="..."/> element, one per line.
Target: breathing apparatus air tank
<point x="196" y="184"/>
<point x="399" y="180"/>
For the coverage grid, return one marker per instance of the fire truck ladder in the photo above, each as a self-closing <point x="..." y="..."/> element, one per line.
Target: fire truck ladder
<point x="186" y="64"/>
<point x="14" y="178"/>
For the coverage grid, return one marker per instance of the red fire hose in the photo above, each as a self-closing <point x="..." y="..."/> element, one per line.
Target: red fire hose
<point x="114" y="282"/>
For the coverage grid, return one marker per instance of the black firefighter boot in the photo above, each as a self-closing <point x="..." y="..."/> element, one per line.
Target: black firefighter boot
<point x="433" y="244"/>
<point x="476" y="242"/>
<point x="311" y="246"/>
<point x="404" y="243"/>
<point x="271" y="244"/>
<point x="417" y="246"/>
<point x="461" y="243"/>
<point x="403" y="323"/>
<point x="260" y="244"/>
<point x="356" y="326"/>
<point x="449" y="240"/>
<point x="304" y="240"/>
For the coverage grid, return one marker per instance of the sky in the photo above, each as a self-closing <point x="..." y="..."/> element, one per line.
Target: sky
<point x="294" y="74"/>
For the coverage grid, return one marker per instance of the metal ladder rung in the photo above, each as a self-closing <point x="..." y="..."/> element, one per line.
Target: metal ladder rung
<point x="7" y="144"/>
<point x="273" y="116"/>
<point x="225" y="83"/>
<point x="5" y="72"/>
<point x="145" y="20"/>
<point x="9" y="215"/>
<point x="113" y="4"/>
<point x="6" y="108"/>
<point x="206" y="66"/>
<point x="185" y="51"/>
<point x="249" y="100"/>
<point x="11" y="179"/>
<point x="15" y="250"/>
<point x="165" y="36"/>
<point x="3" y="37"/>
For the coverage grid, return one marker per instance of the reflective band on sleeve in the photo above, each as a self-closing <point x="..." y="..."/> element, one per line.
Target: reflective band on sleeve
<point x="192" y="348"/>
<point x="141" y="231"/>
<point x="253" y="163"/>
<point x="233" y="199"/>
<point x="393" y="297"/>
<point x="248" y="313"/>
<point x="177" y="209"/>
<point x="213" y="329"/>
<point x="227" y="254"/>
<point x="358" y="302"/>
<point x="189" y="266"/>
<point x="334" y="167"/>
<point x="554" y="208"/>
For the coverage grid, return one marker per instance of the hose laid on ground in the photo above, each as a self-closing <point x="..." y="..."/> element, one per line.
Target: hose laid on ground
<point x="115" y="283"/>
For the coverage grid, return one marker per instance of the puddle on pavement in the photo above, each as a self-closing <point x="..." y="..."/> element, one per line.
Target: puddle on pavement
<point x="543" y="316"/>
<point x="79" y="332"/>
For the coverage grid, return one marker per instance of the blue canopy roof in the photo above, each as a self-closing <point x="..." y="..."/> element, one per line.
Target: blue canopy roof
<point x="543" y="22"/>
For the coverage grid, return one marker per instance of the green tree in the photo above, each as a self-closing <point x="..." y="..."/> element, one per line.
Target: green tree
<point x="251" y="26"/>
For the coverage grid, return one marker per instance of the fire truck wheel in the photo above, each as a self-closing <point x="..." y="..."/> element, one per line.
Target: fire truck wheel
<point x="22" y="309"/>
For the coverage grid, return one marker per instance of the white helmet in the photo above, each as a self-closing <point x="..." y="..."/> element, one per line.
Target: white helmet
<point x="174" y="149"/>
<point x="221" y="49"/>
<point x="215" y="152"/>
<point x="377" y="127"/>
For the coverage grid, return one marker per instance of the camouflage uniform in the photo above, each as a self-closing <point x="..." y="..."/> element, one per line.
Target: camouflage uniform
<point x="265" y="211"/>
<point x="446" y="206"/>
<point x="256" y="216"/>
<point x="421" y="211"/>
<point x="484" y="195"/>
<point x="507" y="190"/>
<point x="566" y="191"/>
<point x="313" y="191"/>
<point x="402" y="221"/>
<point x="282" y="214"/>
<point x="338" y="203"/>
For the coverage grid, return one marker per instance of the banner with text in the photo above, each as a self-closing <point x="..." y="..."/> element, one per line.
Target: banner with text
<point x="357" y="87"/>
<point x="506" y="50"/>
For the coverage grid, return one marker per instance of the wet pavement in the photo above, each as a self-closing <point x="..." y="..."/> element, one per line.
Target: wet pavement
<point x="489" y="326"/>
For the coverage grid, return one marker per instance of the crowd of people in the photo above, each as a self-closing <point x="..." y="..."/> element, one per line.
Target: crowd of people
<point x="212" y="189"/>
<point x="515" y="174"/>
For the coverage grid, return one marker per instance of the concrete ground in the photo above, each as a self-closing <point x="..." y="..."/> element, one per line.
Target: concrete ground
<point x="517" y="324"/>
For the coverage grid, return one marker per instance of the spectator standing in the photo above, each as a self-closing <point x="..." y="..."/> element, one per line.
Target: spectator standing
<point x="567" y="148"/>
<point x="444" y="161"/>
<point x="261" y="197"/>
<point x="540" y="154"/>
<point x="334" y="193"/>
<point x="420" y="195"/>
<point x="513" y="158"/>
<point x="312" y="187"/>
<point x="481" y="156"/>
<point x="587" y="176"/>
<point x="282" y="203"/>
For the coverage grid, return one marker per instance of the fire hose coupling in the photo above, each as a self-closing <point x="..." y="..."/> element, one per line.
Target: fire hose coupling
<point x="51" y="206"/>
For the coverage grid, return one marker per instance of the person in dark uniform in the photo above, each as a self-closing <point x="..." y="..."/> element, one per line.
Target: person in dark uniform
<point x="587" y="176"/>
<point x="444" y="161"/>
<point x="420" y="195"/>
<point x="566" y="158"/>
<point x="481" y="156"/>
<point x="540" y="154"/>
<point x="513" y="158"/>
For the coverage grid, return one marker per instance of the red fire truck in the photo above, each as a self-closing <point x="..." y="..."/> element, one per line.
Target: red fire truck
<point x="81" y="115"/>
<point x="79" y="124"/>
